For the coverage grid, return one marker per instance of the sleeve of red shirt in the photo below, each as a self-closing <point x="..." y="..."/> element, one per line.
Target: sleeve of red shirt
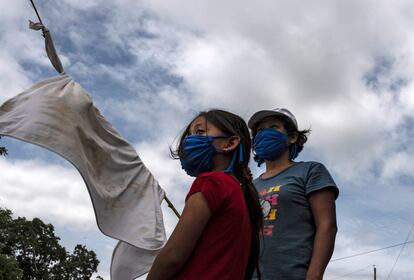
<point x="213" y="189"/>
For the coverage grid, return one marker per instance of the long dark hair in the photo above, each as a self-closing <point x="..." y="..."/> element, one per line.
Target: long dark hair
<point x="233" y="125"/>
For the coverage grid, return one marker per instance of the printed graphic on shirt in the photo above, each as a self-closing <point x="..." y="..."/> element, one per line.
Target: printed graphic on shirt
<point x="266" y="207"/>
<point x="269" y="199"/>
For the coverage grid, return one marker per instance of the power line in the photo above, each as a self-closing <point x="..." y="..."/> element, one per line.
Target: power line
<point x="368" y="252"/>
<point x="344" y="275"/>
<point x="399" y="254"/>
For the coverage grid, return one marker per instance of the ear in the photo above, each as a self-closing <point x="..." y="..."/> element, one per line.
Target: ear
<point x="231" y="143"/>
<point x="293" y="137"/>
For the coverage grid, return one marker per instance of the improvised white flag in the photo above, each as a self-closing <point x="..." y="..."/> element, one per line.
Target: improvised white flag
<point x="59" y="115"/>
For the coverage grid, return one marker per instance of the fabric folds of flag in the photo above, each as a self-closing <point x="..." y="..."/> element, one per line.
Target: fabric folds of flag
<point x="59" y="115"/>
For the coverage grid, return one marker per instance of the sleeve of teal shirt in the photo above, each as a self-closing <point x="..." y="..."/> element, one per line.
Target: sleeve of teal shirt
<point x="318" y="178"/>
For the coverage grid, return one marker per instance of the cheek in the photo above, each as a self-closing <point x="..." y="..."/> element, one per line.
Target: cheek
<point x="221" y="144"/>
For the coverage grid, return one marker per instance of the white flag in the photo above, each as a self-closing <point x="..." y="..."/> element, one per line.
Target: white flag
<point x="59" y="115"/>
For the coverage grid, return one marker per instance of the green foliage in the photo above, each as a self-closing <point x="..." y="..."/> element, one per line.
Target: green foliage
<point x="34" y="246"/>
<point x="81" y="263"/>
<point x="9" y="268"/>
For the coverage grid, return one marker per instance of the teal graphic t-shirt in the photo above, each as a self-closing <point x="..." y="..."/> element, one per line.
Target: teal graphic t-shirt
<point x="289" y="228"/>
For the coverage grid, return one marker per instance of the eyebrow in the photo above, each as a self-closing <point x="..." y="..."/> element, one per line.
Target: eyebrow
<point x="195" y="126"/>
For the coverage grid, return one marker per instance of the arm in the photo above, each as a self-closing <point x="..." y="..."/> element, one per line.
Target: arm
<point x="322" y="203"/>
<point x="180" y="245"/>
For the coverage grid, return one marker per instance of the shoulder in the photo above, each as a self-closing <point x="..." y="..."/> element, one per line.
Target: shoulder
<point x="215" y="178"/>
<point x="214" y="175"/>
<point x="215" y="186"/>
<point x="314" y="166"/>
<point x="318" y="177"/>
<point x="308" y="167"/>
<point x="310" y="164"/>
<point x="217" y="182"/>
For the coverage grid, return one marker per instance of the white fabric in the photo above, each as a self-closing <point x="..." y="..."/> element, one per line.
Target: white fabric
<point x="59" y="115"/>
<point x="129" y="262"/>
<point x="50" y="47"/>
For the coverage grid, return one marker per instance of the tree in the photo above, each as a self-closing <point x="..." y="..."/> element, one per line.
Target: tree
<point x="9" y="267"/>
<point x="81" y="263"/>
<point x="35" y="248"/>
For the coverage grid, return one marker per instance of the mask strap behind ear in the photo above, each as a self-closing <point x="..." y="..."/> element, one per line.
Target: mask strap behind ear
<point x="293" y="152"/>
<point x="229" y="168"/>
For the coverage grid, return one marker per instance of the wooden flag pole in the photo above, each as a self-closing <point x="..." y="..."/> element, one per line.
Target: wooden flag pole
<point x="172" y="206"/>
<point x="34" y="7"/>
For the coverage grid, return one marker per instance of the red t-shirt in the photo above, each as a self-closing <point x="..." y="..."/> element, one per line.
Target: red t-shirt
<point x="223" y="249"/>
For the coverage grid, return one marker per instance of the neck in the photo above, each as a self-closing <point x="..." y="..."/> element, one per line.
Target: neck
<point x="276" y="166"/>
<point x="221" y="162"/>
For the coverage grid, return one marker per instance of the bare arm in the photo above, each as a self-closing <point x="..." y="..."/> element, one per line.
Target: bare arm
<point x="323" y="208"/>
<point x="180" y="245"/>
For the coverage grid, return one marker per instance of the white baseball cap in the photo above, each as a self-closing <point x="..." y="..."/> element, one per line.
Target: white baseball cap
<point x="278" y="112"/>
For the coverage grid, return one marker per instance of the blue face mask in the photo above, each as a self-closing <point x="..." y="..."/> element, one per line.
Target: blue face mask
<point x="269" y="144"/>
<point x="199" y="153"/>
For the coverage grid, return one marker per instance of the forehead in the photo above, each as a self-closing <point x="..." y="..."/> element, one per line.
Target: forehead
<point x="201" y="122"/>
<point x="197" y="122"/>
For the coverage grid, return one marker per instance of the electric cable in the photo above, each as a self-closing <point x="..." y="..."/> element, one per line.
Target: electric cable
<point x="344" y="275"/>
<point x="372" y="251"/>
<point x="399" y="254"/>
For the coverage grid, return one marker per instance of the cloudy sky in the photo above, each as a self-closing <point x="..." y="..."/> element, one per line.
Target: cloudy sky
<point x="344" y="68"/>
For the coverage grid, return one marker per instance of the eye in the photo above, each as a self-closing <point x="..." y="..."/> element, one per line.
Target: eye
<point x="200" y="131"/>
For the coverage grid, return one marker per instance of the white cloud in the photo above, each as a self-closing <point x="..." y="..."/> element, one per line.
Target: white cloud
<point x="311" y="58"/>
<point x="399" y="164"/>
<point x="79" y="4"/>
<point x="407" y="98"/>
<point x="336" y="65"/>
<point x="33" y="188"/>
<point x="10" y="70"/>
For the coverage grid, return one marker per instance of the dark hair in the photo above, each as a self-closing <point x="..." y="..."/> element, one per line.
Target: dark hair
<point x="233" y="125"/>
<point x="290" y="128"/>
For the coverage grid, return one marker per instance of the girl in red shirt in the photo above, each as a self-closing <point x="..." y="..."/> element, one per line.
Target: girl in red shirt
<point x="217" y="236"/>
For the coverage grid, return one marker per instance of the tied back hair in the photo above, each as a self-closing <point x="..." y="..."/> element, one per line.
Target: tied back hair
<point x="233" y="125"/>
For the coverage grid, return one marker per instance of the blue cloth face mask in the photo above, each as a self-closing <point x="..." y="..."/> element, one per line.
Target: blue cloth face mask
<point x="199" y="153"/>
<point x="269" y="144"/>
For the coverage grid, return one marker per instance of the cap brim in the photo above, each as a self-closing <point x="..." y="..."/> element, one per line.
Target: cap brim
<point x="260" y="115"/>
